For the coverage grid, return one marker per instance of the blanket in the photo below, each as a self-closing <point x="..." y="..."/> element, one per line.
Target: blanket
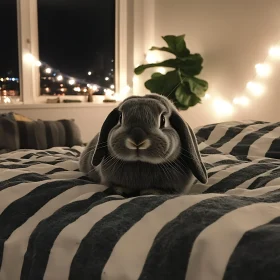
<point x="55" y="224"/>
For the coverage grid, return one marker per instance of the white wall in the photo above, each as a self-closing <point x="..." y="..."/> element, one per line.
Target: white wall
<point x="232" y="36"/>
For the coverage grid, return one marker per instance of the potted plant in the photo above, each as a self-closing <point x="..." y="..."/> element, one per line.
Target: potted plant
<point x="180" y="84"/>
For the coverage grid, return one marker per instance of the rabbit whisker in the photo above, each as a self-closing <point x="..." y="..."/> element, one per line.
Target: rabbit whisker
<point x="83" y="155"/>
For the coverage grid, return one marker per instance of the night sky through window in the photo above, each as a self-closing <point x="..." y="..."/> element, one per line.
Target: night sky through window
<point x="75" y="36"/>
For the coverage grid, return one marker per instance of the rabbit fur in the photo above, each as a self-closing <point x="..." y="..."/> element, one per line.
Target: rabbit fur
<point x="144" y="147"/>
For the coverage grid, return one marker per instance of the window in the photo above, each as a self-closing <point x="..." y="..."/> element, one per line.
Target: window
<point x="9" y="65"/>
<point x="76" y="46"/>
<point x="66" y="47"/>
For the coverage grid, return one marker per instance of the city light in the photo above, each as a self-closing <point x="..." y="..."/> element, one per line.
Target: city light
<point x="78" y="89"/>
<point x="59" y="77"/>
<point x="48" y="70"/>
<point x="71" y="82"/>
<point x="112" y="86"/>
<point x="106" y="78"/>
<point x="89" y="73"/>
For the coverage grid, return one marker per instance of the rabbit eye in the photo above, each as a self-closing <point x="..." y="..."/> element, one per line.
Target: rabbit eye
<point x="162" y="121"/>
<point x="120" y="118"/>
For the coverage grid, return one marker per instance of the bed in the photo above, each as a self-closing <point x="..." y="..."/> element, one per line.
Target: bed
<point x="55" y="224"/>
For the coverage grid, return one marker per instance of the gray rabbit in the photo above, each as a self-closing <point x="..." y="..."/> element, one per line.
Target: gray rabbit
<point x="144" y="147"/>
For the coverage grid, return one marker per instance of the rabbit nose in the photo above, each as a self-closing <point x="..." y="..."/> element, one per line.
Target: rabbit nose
<point x="138" y="139"/>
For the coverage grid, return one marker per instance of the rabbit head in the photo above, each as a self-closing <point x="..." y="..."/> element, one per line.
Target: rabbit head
<point x="147" y="133"/>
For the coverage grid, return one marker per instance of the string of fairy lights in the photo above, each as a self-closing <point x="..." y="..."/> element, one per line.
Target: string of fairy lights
<point x="255" y="88"/>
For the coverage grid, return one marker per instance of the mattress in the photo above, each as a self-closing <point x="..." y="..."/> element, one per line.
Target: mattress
<point x="56" y="224"/>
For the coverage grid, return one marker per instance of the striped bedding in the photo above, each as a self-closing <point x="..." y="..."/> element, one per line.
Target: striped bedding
<point x="56" y="225"/>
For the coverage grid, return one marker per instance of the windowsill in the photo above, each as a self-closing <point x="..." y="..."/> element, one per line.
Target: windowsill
<point x="56" y="105"/>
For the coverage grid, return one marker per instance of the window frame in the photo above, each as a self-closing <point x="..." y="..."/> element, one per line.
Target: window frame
<point x="28" y="43"/>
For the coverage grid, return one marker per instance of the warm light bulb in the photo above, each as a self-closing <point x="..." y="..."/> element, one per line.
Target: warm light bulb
<point x="125" y="90"/>
<point x="263" y="70"/>
<point x="112" y="86"/>
<point x="135" y="79"/>
<point x="59" y="78"/>
<point x="274" y="52"/>
<point x="107" y="79"/>
<point x="48" y="70"/>
<point x="7" y="100"/>
<point x="151" y="57"/>
<point x="161" y="70"/>
<point x="89" y="73"/>
<point x="256" y="89"/>
<point x="223" y="107"/>
<point x="78" y="89"/>
<point x="207" y="96"/>
<point x="71" y="82"/>
<point x="28" y="57"/>
<point x="95" y="87"/>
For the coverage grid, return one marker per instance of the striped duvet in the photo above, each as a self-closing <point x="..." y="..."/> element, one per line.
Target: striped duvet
<point x="56" y="225"/>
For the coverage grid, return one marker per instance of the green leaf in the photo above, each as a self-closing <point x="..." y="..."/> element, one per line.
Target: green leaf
<point x="182" y="96"/>
<point x="177" y="45"/>
<point x="198" y="86"/>
<point x="191" y="65"/>
<point x="172" y="63"/>
<point x="164" y="49"/>
<point x="156" y="74"/>
<point x="163" y="84"/>
<point x="185" y="99"/>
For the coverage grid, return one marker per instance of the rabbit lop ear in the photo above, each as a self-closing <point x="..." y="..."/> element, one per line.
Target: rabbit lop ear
<point x="101" y="145"/>
<point x="190" y="152"/>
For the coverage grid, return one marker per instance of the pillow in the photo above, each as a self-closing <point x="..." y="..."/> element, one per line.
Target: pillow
<point x="42" y="135"/>
<point x="9" y="137"/>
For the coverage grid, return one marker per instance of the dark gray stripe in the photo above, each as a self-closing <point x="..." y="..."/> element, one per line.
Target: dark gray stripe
<point x="256" y="257"/>
<point x="22" y="178"/>
<point x="274" y="149"/>
<point x="242" y="148"/>
<point x="42" y="239"/>
<point x="30" y="204"/>
<point x="240" y="176"/>
<point x="232" y="132"/>
<point x="99" y="243"/>
<point x="170" y="252"/>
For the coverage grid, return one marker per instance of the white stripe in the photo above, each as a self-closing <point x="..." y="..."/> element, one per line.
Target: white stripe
<point x="16" y="246"/>
<point x="68" y="165"/>
<point x="217" y="133"/>
<point x="69" y="240"/>
<point x="40" y="168"/>
<point x="215" y="244"/>
<point x="11" y="194"/>
<point x="129" y="254"/>
<point x="220" y="175"/>
<point x="262" y="145"/>
<point x="66" y="175"/>
<point x="247" y="183"/>
<point x="228" y="146"/>
<point x="252" y="193"/>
